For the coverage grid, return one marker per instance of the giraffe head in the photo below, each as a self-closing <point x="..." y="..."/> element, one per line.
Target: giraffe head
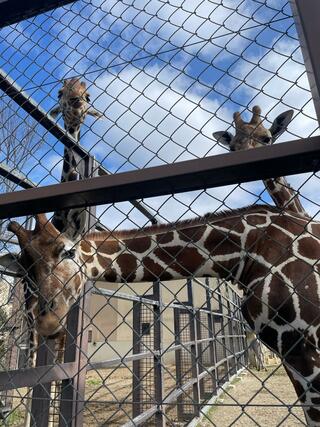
<point x="253" y="134"/>
<point x="74" y="104"/>
<point x="51" y="265"/>
<point x="74" y="93"/>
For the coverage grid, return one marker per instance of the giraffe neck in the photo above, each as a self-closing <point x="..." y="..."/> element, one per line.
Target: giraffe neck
<point x="168" y="252"/>
<point x="72" y="221"/>
<point x="284" y="196"/>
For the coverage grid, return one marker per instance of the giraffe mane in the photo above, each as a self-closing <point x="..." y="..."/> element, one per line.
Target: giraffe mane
<point x="159" y="228"/>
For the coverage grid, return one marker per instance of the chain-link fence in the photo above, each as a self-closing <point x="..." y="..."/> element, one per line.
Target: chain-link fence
<point x="128" y="304"/>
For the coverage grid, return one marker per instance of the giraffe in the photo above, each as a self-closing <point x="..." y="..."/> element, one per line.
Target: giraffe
<point x="271" y="254"/>
<point x="74" y="105"/>
<point x="253" y="134"/>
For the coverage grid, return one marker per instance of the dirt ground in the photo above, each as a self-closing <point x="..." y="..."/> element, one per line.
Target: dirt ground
<point x="271" y="388"/>
<point x="108" y="388"/>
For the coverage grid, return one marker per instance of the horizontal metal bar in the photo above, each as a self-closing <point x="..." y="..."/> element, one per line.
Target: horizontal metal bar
<point x="176" y="393"/>
<point x="9" y="238"/>
<point x="15" y="92"/>
<point x="13" y="11"/>
<point x="15" y="176"/>
<point x="112" y="363"/>
<point x="120" y="295"/>
<point x="264" y="162"/>
<point x="230" y="336"/>
<point x="142" y="418"/>
<point x="30" y="377"/>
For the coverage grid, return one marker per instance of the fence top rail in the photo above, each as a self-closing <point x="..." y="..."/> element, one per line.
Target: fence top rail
<point x="243" y="166"/>
<point x="12" y="12"/>
<point x="30" y="377"/>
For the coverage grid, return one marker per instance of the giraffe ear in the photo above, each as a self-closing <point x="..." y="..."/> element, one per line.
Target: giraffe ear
<point x="223" y="137"/>
<point x="280" y="124"/>
<point x="55" y="111"/>
<point x="83" y="84"/>
<point x="11" y="263"/>
<point x="94" y="113"/>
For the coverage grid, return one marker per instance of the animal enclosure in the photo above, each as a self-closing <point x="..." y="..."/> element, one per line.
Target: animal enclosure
<point x="129" y="302"/>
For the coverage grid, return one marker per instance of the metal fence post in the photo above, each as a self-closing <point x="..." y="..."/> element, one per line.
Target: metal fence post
<point x="306" y="15"/>
<point x="194" y="350"/>
<point x="187" y="367"/>
<point x="41" y="396"/>
<point x="178" y="352"/>
<point x="212" y="354"/>
<point x="73" y="389"/>
<point x="136" y="349"/>
<point x="147" y="382"/>
<point x="158" y="346"/>
<point x="200" y="348"/>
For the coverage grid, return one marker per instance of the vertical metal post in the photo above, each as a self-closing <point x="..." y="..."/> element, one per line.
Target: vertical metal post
<point x="201" y="349"/>
<point x="136" y="364"/>
<point x="41" y="397"/>
<point x="244" y="358"/>
<point x="306" y="15"/>
<point x="177" y="341"/>
<point x="187" y="367"/>
<point x="73" y="389"/>
<point x="212" y="353"/>
<point x="230" y="340"/>
<point x="194" y="351"/>
<point x="158" y="345"/>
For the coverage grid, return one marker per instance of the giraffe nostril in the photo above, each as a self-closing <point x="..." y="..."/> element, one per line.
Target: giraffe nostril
<point x="46" y="308"/>
<point x="266" y="139"/>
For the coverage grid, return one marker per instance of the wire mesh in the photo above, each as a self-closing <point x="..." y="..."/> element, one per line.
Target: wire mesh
<point x="98" y="87"/>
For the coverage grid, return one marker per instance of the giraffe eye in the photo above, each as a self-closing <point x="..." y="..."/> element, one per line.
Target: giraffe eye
<point x="88" y="98"/>
<point x="70" y="254"/>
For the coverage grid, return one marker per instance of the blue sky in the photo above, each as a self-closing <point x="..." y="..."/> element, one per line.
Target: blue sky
<point x="165" y="75"/>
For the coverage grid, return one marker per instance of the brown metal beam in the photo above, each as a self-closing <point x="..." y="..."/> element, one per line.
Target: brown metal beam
<point x="30" y="377"/>
<point x="12" y="11"/>
<point x="265" y="162"/>
<point x="15" y="176"/>
<point x="306" y="14"/>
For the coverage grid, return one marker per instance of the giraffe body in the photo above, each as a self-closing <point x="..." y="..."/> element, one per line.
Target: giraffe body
<point x="272" y="255"/>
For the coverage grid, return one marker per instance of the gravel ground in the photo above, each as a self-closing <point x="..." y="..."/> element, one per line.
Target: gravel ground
<point x="271" y="388"/>
<point x="259" y="388"/>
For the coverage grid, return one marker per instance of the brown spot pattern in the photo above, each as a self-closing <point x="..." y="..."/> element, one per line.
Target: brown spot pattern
<point x="165" y="237"/>
<point x="280" y="303"/>
<point x="309" y="247"/>
<point x="139" y="245"/>
<point x="94" y="272"/>
<point x="192" y="234"/>
<point x="109" y="247"/>
<point x="183" y="260"/>
<point x="153" y="270"/>
<point x="128" y="266"/>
